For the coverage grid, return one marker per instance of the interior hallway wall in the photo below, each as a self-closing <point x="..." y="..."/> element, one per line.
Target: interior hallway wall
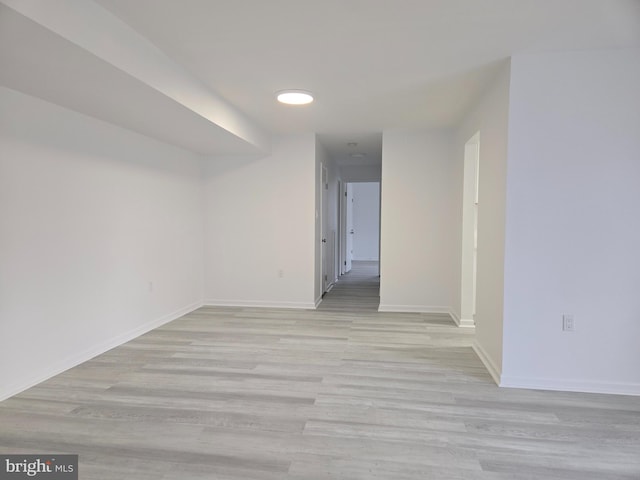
<point x="491" y="118"/>
<point x="101" y="237"/>
<point x="361" y="173"/>
<point x="260" y="228"/>
<point x="572" y="228"/>
<point x="420" y="221"/>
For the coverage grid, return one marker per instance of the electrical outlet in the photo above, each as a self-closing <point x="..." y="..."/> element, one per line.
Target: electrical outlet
<point x="568" y="323"/>
<point x="150" y="287"/>
<point x="280" y="273"/>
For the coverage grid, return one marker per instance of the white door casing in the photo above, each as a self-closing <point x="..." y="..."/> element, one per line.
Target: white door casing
<point x="325" y="251"/>
<point x="349" y="227"/>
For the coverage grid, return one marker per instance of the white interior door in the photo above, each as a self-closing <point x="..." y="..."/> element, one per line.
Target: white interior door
<point x="325" y="262"/>
<point x="349" y="227"/>
<point x="341" y="247"/>
<point x="476" y="188"/>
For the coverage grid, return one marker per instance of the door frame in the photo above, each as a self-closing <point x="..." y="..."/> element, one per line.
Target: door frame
<point x="342" y="226"/>
<point x="325" y="282"/>
<point x="470" y="212"/>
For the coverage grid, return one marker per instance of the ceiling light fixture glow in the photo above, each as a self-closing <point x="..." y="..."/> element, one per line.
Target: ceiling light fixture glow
<point x="357" y="155"/>
<point x="294" y="97"/>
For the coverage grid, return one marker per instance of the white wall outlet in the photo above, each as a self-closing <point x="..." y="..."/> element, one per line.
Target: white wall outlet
<point x="150" y="287"/>
<point x="568" y="323"/>
<point x="280" y="273"/>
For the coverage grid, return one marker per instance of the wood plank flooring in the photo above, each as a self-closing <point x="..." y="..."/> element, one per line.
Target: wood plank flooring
<point x="240" y="393"/>
<point x="356" y="292"/>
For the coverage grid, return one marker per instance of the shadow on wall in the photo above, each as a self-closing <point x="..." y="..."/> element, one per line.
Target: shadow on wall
<point x="216" y="166"/>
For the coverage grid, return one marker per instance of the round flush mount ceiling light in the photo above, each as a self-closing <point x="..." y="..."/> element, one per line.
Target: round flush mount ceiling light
<point x="294" y="97"/>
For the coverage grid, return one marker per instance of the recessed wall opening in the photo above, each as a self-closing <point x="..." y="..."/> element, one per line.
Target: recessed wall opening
<point x="348" y="175"/>
<point x="358" y="285"/>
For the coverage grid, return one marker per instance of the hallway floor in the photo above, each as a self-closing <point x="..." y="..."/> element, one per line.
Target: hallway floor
<point x="356" y="291"/>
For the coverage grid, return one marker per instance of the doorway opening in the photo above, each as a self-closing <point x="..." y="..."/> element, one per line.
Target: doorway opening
<point x="359" y="224"/>
<point x="358" y="266"/>
<point x="470" y="206"/>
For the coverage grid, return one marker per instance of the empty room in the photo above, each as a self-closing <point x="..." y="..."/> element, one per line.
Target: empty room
<point x="304" y="239"/>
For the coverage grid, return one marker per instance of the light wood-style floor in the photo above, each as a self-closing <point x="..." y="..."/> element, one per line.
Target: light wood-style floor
<point x="358" y="291"/>
<point x="239" y="393"/>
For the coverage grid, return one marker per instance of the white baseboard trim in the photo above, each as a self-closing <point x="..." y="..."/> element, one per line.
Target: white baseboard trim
<point x="571" y="385"/>
<point x="260" y="304"/>
<point x="94" y="351"/>
<point x="413" y="309"/>
<point x="462" y="323"/>
<point x="488" y="362"/>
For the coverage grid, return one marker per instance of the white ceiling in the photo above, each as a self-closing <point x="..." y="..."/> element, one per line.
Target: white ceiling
<point x="372" y="64"/>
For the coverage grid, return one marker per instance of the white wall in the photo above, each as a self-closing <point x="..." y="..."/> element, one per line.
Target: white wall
<point x="420" y="224"/>
<point x="89" y="215"/>
<point x="259" y="221"/>
<point x="573" y="228"/>
<point x="361" y="173"/>
<point x="366" y="221"/>
<point x="490" y="117"/>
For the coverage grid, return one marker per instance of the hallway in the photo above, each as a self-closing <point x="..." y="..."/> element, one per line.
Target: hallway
<point x="356" y="291"/>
